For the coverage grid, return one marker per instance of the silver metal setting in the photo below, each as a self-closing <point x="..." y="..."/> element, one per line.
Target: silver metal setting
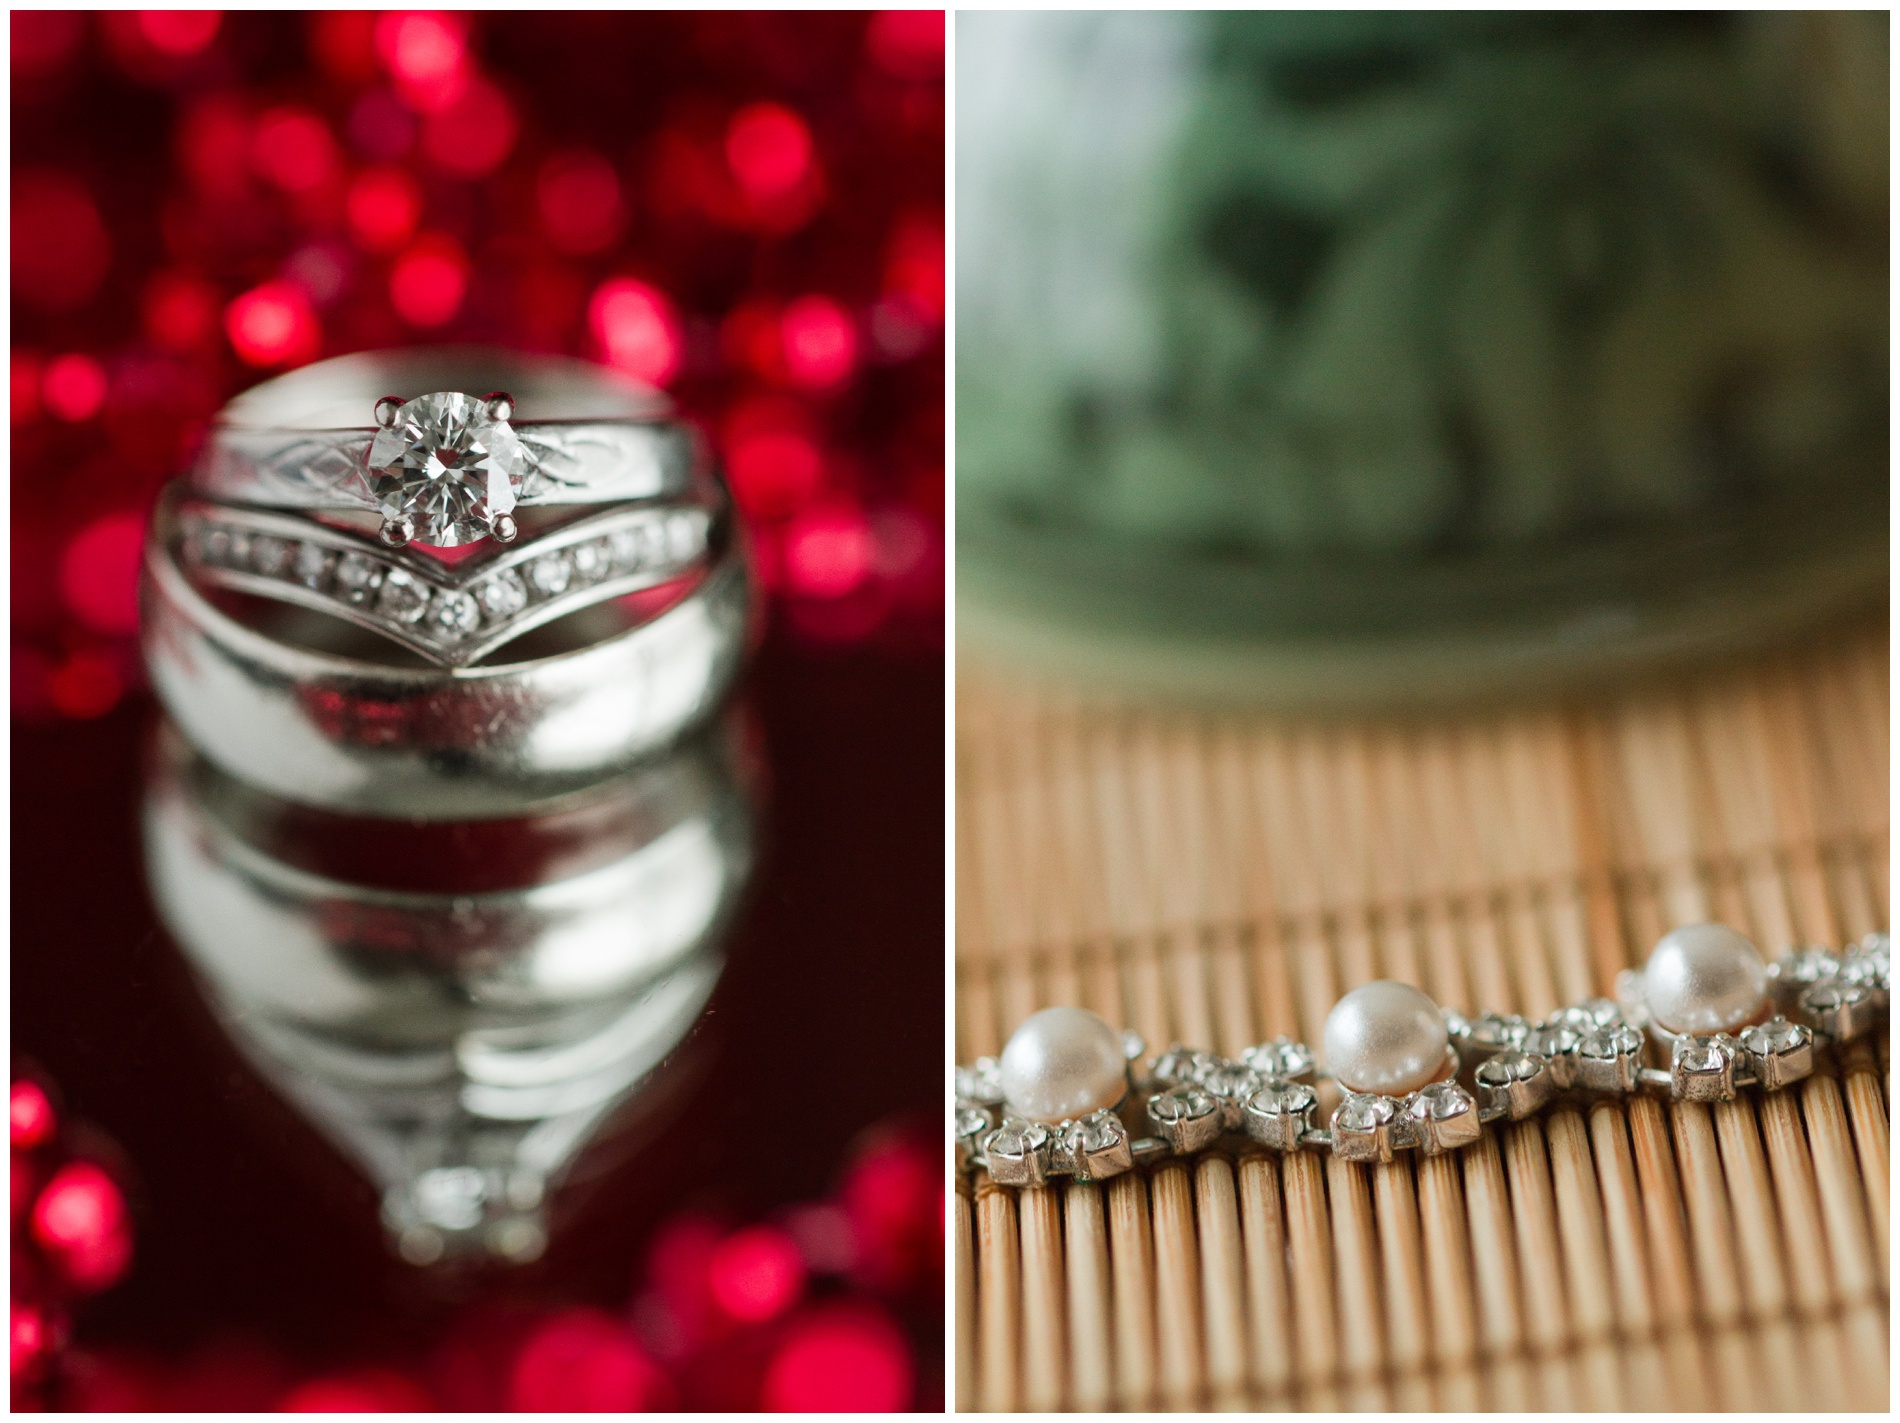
<point x="368" y="737"/>
<point x="454" y="615"/>
<point x="1702" y="1067"/>
<point x="302" y="441"/>
<point x="1514" y="1084"/>
<point x="1507" y="1068"/>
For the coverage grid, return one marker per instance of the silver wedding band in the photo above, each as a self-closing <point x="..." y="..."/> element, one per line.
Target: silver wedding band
<point x="307" y="657"/>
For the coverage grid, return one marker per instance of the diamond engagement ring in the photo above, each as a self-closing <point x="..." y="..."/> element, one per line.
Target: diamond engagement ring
<point x="452" y="612"/>
<point x="444" y="465"/>
<point x="1069" y="1097"/>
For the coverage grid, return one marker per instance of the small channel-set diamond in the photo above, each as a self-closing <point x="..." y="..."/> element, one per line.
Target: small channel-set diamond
<point x="660" y="545"/>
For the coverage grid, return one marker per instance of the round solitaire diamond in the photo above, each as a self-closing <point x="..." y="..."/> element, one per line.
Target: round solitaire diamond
<point x="270" y="556"/>
<point x="1364" y="1111"/>
<point x="357" y="577"/>
<point x="448" y="465"/>
<point x="503" y="595"/>
<point x="403" y="598"/>
<point x="549" y="574"/>
<point x="312" y="564"/>
<point x="455" y="615"/>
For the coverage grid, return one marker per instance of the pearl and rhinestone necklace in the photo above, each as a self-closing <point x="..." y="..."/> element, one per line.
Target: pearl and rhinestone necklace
<point x="1061" y="1099"/>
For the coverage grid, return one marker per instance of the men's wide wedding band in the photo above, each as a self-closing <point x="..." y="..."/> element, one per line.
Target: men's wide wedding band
<point x="345" y="733"/>
<point x="443" y="445"/>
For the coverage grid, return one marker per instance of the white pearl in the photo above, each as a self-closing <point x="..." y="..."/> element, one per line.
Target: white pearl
<point x="1386" y="1037"/>
<point x="1063" y="1063"/>
<point x="1704" y="978"/>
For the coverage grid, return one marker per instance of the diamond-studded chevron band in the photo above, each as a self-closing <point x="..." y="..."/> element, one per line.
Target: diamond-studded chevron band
<point x="1704" y="1020"/>
<point x="451" y="614"/>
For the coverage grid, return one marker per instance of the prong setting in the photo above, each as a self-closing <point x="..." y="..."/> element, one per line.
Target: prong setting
<point x="386" y="410"/>
<point x="395" y="533"/>
<point x="501" y="405"/>
<point x="504" y="528"/>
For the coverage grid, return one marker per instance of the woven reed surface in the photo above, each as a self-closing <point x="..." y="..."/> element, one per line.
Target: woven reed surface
<point x="1215" y="880"/>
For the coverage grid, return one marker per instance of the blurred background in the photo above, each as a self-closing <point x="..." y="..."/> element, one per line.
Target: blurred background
<point x="1339" y="358"/>
<point x="746" y="210"/>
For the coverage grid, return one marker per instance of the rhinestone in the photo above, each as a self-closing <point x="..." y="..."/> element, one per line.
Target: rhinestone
<point x="1182" y="1104"/>
<point x="455" y="614"/>
<point x="1776" y="1035"/>
<point x="403" y="598"/>
<point x="270" y="556"/>
<point x="1017" y="1138"/>
<point x="1824" y="996"/>
<point x="1232" y="1083"/>
<point x="592" y="561"/>
<point x="1180" y="1064"/>
<point x="1364" y="1111"/>
<point x="1283" y="1099"/>
<point x="215" y="545"/>
<point x="502" y="596"/>
<point x="312" y="564"/>
<point x="982" y="1081"/>
<point x="1509" y="1066"/>
<point x="1441" y="1101"/>
<point x="357" y="577"/>
<point x="1497" y="1030"/>
<point x="1702" y="1054"/>
<point x="1617" y="1041"/>
<point x="1133" y="1046"/>
<point x="549" y="574"/>
<point x="240" y="552"/>
<point x="1096" y="1132"/>
<point x="1596" y="1013"/>
<point x="1552" y="1040"/>
<point x="970" y="1121"/>
<point x="1807" y="966"/>
<point x="449" y="466"/>
<point x="1866" y="968"/>
<point x="1283" y="1057"/>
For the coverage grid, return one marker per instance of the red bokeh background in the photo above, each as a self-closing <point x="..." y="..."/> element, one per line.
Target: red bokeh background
<point x="746" y="209"/>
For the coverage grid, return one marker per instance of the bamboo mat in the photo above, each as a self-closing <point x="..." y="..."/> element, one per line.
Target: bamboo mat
<point x="1218" y="879"/>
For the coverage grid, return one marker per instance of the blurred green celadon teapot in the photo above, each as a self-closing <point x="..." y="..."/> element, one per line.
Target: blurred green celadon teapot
<point x="1347" y="357"/>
